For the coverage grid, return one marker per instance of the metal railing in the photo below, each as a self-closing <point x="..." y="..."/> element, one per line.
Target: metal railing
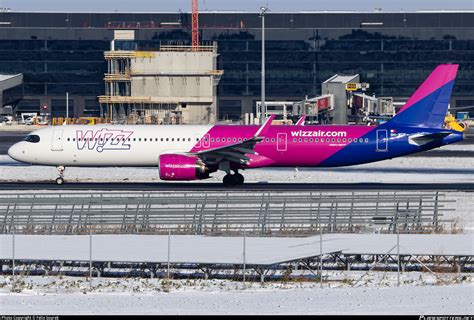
<point x="259" y="213"/>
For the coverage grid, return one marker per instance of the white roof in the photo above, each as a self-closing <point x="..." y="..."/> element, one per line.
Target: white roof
<point x="8" y="81"/>
<point x="341" y="79"/>
<point x="4" y="77"/>
<point x="225" y="250"/>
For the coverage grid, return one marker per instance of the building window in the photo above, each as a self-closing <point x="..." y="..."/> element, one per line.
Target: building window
<point x="58" y="108"/>
<point x="230" y="109"/>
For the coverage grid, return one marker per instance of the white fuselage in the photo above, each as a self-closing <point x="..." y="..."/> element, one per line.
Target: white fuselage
<point x="106" y="145"/>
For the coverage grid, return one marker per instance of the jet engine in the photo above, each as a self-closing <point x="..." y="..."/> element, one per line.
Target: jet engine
<point x="182" y="167"/>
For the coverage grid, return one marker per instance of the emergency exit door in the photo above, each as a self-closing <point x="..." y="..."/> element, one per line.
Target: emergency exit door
<point x="57" y="141"/>
<point x="382" y="140"/>
<point x="282" y="143"/>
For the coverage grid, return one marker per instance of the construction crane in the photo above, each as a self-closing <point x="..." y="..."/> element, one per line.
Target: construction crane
<point x="195" y="25"/>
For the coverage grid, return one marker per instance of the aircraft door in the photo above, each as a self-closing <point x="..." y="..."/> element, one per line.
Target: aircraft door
<point x="57" y="140"/>
<point x="382" y="140"/>
<point x="206" y="141"/>
<point x="282" y="143"/>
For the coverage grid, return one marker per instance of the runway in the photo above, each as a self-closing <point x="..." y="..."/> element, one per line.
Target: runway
<point x="204" y="186"/>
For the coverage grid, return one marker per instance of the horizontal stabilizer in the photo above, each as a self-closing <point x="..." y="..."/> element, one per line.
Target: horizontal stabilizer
<point x="421" y="139"/>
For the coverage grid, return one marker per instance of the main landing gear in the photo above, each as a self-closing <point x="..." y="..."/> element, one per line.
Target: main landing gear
<point x="60" y="179"/>
<point x="231" y="180"/>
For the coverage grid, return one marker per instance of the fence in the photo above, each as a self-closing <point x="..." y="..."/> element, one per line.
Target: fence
<point x="259" y="213"/>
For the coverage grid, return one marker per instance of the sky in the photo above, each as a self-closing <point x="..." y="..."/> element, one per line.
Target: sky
<point x="240" y="5"/>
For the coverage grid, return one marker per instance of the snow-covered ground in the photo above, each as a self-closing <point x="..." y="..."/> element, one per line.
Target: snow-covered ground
<point x="462" y="211"/>
<point x="377" y="293"/>
<point x="216" y="250"/>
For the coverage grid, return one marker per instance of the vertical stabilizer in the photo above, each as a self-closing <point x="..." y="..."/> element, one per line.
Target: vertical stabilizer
<point x="428" y="106"/>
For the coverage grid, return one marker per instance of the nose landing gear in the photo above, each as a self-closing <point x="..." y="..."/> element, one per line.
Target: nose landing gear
<point x="231" y="180"/>
<point x="60" y="179"/>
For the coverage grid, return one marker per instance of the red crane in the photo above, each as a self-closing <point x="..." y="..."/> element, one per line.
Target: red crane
<point x="195" y="25"/>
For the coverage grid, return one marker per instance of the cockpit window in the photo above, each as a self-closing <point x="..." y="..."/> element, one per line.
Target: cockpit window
<point x="32" y="138"/>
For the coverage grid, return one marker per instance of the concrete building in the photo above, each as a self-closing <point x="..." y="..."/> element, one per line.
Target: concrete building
<point x="176" y="84"/>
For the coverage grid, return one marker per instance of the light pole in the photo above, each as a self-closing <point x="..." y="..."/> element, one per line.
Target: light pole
<point x="263" y="109"/>
<point x="67" y="107"/>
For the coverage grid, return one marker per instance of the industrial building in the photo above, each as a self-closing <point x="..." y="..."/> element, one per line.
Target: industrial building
<point x="393" y="51"/>
<point x="176" y="84"/>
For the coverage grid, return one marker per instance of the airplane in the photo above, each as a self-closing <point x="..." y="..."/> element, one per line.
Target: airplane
<point x="192" y="152"/>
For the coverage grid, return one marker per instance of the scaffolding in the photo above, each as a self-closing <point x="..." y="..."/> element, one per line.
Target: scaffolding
<point x="157" y="87"/>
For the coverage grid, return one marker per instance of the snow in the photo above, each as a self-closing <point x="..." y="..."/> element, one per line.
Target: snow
<point x="228" y="250"/>
<point x="461" y="211"/>
<point x="144" y="248"/>
<point x="457" y="147"/>
<point x="418" y="294"/>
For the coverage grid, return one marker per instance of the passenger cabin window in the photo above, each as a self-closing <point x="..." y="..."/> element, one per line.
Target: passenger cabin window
<point x="33" y="138"/>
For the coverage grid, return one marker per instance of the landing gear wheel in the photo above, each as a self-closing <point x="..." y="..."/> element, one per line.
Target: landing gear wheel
<point x="239" y="178"/>
<point x="231" y="180"/>
<point x="228" y="180"/>
<point x="60" y="179"/>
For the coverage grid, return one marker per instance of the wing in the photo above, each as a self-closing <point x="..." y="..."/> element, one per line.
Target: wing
<point x="236" y="152"/>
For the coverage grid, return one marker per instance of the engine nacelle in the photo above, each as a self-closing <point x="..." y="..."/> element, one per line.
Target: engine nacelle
<point x="181" y="167"/>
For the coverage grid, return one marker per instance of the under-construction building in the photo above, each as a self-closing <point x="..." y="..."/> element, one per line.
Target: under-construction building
<point x="174" y="84"/>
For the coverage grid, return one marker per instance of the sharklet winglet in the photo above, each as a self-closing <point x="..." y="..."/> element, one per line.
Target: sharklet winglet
<point x="300" y="121"/>
<point x="264" y="128"/>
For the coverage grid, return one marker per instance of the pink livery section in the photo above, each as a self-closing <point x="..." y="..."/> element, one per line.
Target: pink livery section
<point x="284" y="145"/>
<point x="182" y="167"/>
<point x="441" y="75"/>
<point x="427" y="107"/>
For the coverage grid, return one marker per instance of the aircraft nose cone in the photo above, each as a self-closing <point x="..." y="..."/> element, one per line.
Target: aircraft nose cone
<point x="16" y="152"/>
